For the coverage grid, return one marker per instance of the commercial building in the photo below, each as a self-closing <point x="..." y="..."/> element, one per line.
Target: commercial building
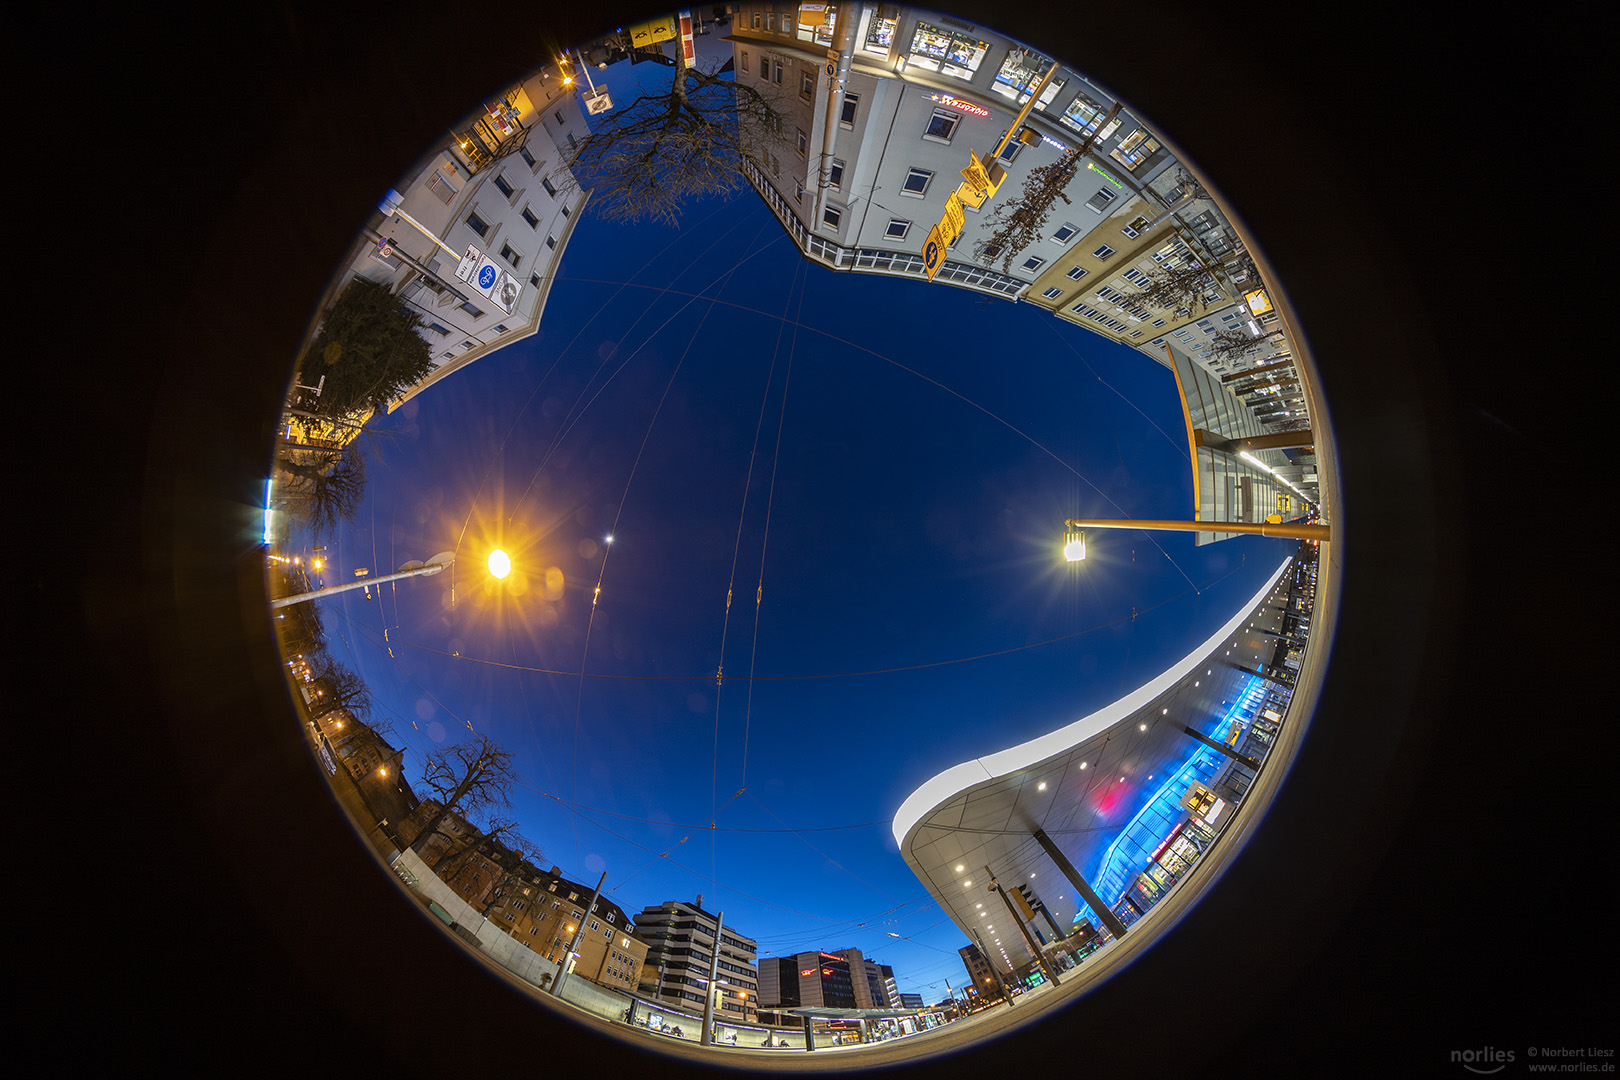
<point x="881" y="106"/>
<point x="680" y="937"/>
<point x="1083" y="811"/>
<point x="843" y="979"/>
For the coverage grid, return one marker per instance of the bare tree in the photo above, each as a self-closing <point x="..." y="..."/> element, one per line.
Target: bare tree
<point x="327" y="489"/>
<point x="338" y="687"/>
<point x="649" y="157"/>
<point x="1018" y="223"/>
<point x="1182" y="285"/>
<point x="472" y="777"/>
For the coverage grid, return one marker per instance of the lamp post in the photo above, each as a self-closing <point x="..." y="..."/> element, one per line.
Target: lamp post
<point x="500" y="565"/>
<point x="414" y="568"/>
<point x="1273" y="526"/>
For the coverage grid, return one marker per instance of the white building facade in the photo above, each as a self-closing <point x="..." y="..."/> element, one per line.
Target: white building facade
<point x="860" y="172"/>
<point x="498" y="185"/>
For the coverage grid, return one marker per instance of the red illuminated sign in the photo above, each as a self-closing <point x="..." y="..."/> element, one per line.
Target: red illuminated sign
<point x="965" y="106"/>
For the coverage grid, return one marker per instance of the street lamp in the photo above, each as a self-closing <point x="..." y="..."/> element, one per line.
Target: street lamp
<point x="1074" y="547"/>
<point x="414" y="568"/>
<point x="1273" y="526"/>
<point x="500" y="563"/>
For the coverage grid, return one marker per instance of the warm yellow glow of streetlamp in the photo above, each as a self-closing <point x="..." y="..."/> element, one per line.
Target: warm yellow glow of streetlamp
<point x="500" y="563"/>
<point x="1074" y="549"/>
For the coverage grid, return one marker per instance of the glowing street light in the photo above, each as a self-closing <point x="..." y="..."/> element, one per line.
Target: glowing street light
<point x="1074" y="547"/>
<point x="500" y="563"/>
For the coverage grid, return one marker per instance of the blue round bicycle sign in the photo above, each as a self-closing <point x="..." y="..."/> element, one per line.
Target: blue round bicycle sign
<point x="931" y="255"/>
<point x="486" y="278"/>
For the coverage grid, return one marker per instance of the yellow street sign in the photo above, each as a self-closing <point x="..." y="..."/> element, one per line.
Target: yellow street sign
<point x="955" y="219"/>
<point x="976" y="186"/>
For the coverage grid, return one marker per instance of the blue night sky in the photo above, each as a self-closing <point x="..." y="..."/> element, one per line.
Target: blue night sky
<point x="888" y="462"/>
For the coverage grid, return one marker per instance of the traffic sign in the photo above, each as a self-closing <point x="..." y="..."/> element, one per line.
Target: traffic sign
<point x="488" y="277"/>
<point x="933" y="252"/>
<point x="976" y="183"/>
<point x="955" y="219"/>
<point x="469" y="263"/>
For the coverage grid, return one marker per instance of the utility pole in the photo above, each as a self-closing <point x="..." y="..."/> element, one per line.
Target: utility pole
<point x="714" y="971"/>
<point x="579" y="932"/>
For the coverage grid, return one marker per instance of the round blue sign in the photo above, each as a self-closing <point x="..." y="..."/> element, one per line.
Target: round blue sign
<point x="931" y="254"/>
<point x="486" y="278"/>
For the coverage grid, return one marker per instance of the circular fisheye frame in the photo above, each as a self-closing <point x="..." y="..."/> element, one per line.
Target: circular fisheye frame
<point x="803" y="531"/>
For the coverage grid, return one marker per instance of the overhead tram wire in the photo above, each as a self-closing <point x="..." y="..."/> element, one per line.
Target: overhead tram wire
<point x="547" y="374"/>
<point x="573" y="417"/>
<point x="957" y="394"/>
<point x="473" y="504"/>
<point x="764" y="543"/>
<point x="736" y="551"/>
<point x="831" y="674"/>
<point x="618" y="515"/>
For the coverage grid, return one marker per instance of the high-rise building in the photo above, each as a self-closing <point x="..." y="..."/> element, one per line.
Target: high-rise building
<point x="680" y="940"/>
<point x="873" y="983"/>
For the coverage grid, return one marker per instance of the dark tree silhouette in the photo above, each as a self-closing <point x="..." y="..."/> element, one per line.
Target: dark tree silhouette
<point x="368" y="350"/>
<point x="1020" y="222"/>
<point x="472" y="777"/>
<point x="325" y="490"/>
<point x="649" y="157"/>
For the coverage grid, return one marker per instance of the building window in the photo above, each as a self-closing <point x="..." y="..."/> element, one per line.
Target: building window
<point x="798" y="190"/>
<point x="1134" y="149"/>
<point x="534" y="279"/>
<point x="804" y="142"/>
<point x="528" y="158"/>
<point x="1083" y="115"/>
<point x="1103" y="252"/>
<point x="757" y="18"/>
<point x="938" y="49"/>
<point x="852" y="104"/>
<point x="776" y="71"/>
<point x="528" y="215"/>
<point x="560" y="120"/>
<point x="1052" y="293"/>
<point x="897" y="229"/>
<point x="477" y="224"/>
<point x="1077" y="272"/>
<point x="916" y="183"/>
<point x="501" y="329"/>
<point x="1034" y="262"/>
<point x="549" y="189"/>
<point x="442" y="331"/>
<point x="807" y="85"/>
<point x="470" y="310"/>
<point x="510" y="254"/>
<point x="503" y="187"/>
<point x="551" y="242"/>
<point x="1100" y="200"/>
<point x="832" y="215"/>
<point x="835" y="175"/>
<point x="1065" y="232"/>
<point x="567" y="212"/>
<point x="942" y="125"/>
<point x="1010" y="152"/>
